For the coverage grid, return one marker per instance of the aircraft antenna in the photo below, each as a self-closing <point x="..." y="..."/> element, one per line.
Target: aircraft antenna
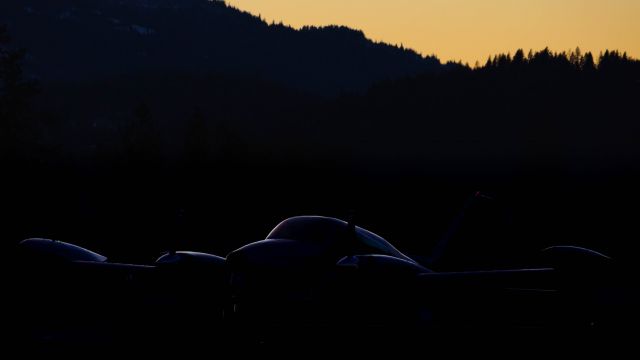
<point x="351" y="233"/>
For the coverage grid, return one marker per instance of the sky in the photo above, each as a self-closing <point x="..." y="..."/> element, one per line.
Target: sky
<point x="470" y="30"/>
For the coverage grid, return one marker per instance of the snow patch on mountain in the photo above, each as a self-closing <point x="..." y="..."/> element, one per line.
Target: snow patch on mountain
<point x="141" y="30"/>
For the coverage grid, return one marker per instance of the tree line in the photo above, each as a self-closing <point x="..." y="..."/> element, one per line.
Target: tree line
<point x="132" y="150"/>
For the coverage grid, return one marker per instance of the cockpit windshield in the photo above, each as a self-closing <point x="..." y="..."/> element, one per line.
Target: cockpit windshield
<point x="377" y="242"/>
<point x="329" y="231"/>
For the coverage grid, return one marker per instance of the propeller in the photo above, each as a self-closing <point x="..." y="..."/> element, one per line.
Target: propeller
<point x="351" y="236"/>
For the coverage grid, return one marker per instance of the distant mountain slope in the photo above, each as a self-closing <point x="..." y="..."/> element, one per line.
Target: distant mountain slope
<point x="92" y="39"/>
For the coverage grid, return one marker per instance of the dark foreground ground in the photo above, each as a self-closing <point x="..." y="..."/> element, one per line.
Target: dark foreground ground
<point x="327" y="343"/>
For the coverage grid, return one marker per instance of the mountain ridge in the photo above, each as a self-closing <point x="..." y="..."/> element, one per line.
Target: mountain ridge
<point x="73" y="40"/>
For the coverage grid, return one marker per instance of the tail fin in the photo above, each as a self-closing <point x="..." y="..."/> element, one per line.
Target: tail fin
<point x="474" y="238"/>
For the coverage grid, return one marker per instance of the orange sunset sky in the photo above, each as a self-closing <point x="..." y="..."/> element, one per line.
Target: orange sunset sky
<point x="470" y="30"/>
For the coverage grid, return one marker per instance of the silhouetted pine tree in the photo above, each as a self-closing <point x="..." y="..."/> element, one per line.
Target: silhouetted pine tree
<point x="588" y="65"/>
<point x="518" y="58"/>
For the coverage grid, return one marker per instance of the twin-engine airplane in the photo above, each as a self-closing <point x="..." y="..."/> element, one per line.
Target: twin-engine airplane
<point x="314" y="271"/>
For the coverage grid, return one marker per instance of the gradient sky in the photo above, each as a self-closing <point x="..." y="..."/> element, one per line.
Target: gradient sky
<point x="470" y="30"/>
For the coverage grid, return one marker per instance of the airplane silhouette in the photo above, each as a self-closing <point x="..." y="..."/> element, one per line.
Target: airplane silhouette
<point x="314" y="271"/>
